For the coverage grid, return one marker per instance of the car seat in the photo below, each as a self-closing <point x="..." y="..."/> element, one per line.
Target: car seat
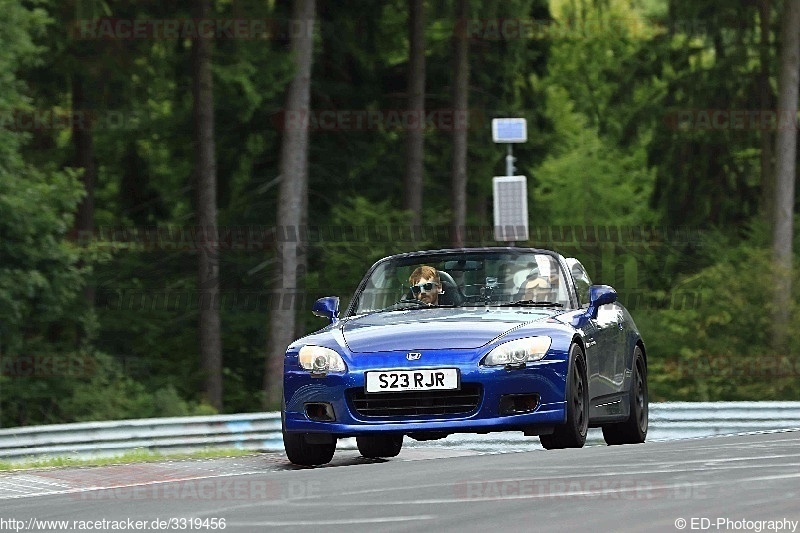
<point x="452" y="293"/>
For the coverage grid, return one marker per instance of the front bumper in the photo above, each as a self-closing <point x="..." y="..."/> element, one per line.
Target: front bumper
<point x="545" y="378"/>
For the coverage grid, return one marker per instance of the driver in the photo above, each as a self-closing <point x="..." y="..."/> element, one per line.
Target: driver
<point x="426" y="285"/>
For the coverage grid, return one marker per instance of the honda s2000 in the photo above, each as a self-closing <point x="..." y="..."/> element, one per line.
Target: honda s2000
<point x="470" y="340"/>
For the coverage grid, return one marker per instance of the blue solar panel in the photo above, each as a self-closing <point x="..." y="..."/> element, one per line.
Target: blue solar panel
<point x="509" y="130"/>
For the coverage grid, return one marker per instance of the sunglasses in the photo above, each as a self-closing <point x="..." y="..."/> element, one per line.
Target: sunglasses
<point x="427" y="287"/>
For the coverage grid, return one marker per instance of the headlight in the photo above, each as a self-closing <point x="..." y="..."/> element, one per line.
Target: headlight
<point x="320" y="360"/>
<point x="518" y="352"/>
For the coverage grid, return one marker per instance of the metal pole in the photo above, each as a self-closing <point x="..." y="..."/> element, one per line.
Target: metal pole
<point x="510" y="171"/>
<point x="509" y="161"/>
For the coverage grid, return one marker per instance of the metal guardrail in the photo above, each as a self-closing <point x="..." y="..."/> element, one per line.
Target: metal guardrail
<point x="675" y="420"/>
<point x="262" y="431"/>
<point x="256" y="431"/>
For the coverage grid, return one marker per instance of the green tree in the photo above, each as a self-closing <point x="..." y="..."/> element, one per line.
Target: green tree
<point x="40" y="270"/>
<point x="710" y="57"/>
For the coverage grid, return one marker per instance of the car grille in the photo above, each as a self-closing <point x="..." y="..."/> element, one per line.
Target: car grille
<point x="440" y="402"/>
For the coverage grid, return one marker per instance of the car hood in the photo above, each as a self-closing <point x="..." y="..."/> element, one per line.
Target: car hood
<point x="434" y="329"/>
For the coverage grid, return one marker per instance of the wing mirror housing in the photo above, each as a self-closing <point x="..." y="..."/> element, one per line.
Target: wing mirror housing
<point x="600" y="295"/>
<point x="327" y="307"/>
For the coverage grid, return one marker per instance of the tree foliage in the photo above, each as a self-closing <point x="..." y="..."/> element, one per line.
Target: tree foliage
<point x="619" y="95"/>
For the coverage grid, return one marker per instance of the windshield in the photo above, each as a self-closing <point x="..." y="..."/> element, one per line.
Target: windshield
<point x="470" y="278"/>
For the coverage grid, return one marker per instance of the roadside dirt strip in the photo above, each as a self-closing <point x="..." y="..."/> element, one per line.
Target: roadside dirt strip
<point x="134" y="478"/>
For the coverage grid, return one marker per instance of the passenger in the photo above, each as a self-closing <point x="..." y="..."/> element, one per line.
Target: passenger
<point x="536" y="289"/>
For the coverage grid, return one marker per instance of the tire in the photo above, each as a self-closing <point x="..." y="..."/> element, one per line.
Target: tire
<point x="633" y="430"/>
<point x="572" y="434"/>
<point x="301" y="452"/>
<point x="377" y="446"/>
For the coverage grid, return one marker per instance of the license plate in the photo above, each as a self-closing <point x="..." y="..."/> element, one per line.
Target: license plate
<point x="413" y="380"/>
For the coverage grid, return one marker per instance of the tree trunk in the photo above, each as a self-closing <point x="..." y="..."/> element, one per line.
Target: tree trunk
<point x="415" y="136"/>
<point x="302" y="262"/>
<point x="460" y="125"/>
<point x="786" y="170"/>
<point x="290" y="240"/>
<point x="205" y="172"/>
<point x="767" y="168"/>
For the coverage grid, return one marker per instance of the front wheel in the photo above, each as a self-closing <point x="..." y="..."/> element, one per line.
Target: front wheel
<point x="303" y="453"/>
<point x="634" y="429"/>
<point x="572" y="434"/>
<point x="376" y="446"/>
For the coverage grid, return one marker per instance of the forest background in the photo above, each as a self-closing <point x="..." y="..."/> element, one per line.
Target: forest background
<point x="143" y="171"/>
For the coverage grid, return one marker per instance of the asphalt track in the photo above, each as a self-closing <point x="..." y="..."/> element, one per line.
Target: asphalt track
<point x="730" y="483"/>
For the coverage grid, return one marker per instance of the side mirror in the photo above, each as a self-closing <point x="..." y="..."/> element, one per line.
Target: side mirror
<point x="327" y="307"/>
<point x="600" y="295"/>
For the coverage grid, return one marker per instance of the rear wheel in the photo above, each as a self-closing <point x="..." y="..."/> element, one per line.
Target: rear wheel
<point x="633" y="430"/>
<point x="572" y="434"/>
<point x="303" y="453"/>
<point x="376" y="446"/>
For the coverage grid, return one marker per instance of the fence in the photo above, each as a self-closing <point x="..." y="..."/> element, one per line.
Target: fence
<point x="262" y="431"/>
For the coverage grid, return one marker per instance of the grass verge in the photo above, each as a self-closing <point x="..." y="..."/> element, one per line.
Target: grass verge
<point x="135" y="456"/>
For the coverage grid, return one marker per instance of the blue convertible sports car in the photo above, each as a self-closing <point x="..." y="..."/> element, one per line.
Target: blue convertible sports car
<point x="469" y="340"/>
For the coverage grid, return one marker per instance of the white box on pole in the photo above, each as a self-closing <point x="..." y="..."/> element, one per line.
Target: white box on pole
<point x="509" y="130"/>
<point x="510" y="208"/>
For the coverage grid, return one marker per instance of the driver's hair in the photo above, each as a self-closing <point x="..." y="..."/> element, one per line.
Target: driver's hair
<point x="426" y="272"/>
